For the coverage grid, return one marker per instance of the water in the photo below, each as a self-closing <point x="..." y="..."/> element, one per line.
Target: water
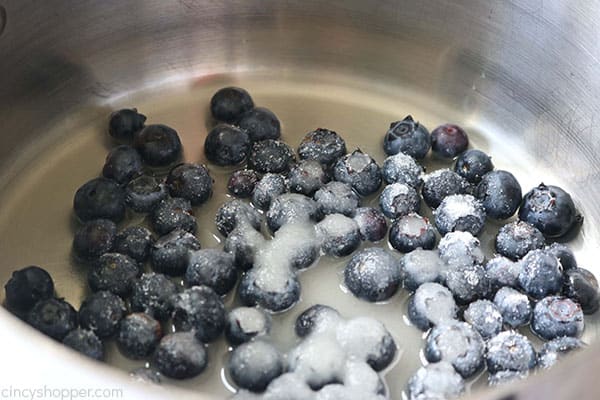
<point x="37" y="224"/>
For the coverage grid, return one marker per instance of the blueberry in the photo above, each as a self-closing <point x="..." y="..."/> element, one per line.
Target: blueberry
<point x="411" y="232"/>
<point x="430" y="305"/>
<point x="180" y="356"/>
<point x="368" y="340"/>
<point x="323" y="145"/>
<point x="502" y="272"/>
<point x="319" y="359"/>
<point x="261" y="124"/>
<point x="291" y="207"/>
<point x="371" y="223"/>
<point x="337" y="197"/>
<point x="460" y="248"/>
<point x="360" y="381"/>
<point x="289" y="386"/>
<point x="125" y="123"/>
<point x="517" y="238"/>
<point x="550" y="209"/>
<point x="485" y="317"/>
<point x="123" y="163"/>
<point x="435" y="381"/>
<point x="460" y="212"/>
<point x="514" y="307"/>
<point x="241" y="183"/>
<point x="159" y="145"/>
<point x="540" y="274"/>
<point x="269" y="187"/>
<point x="85" y="342"/>
<point x="505" y="377"/>
<point x="243" y="243"/>
<point x="440" y="184"/>
<point x="254" y="365"/>
<point x="556" y="349"/>
<point x="144" y="193"/>
<point x="101" y="313"/>
<point x="300" y="242"/>
<point x="171" y="214"/>
<point x="316" y="318"/>
<point x="199" y="309"/>
<point x="360" y="171"/>
<point x="152" y="294"/>
<point x="226" y="145"/>
<point x="467" y="282"/>
<point x="564" y="254"/>
<point x="229" y="104"/>
<point x="306" y="177"/>
<point x="556" y="316"/>
<point x="408" y="137"/>
<point x="271" y="156"/>
<point x="420" y="266"/>
<point x="146" y="375"/>
<point x="170" y="253"/>
<point x="449" y="140"/>
<point x="273" y="290"/>
<point x="338" y="234"/>
<point x="135" y="242"/>
<point x="473" y="165"/>
<point x="500" y="193"/>
<point x="509" y="351"/>
<point x="581" y="286"/>
<point x="100" y="198"/>
<point x="191" y="182"/>
<point x="372" y="274"/>
<point x="53" y="317"/>
<point x="245" y="323"/>
<point x="138" y="336"/>
<point x="27" y="286"/>
<point x="402" y="168"/>
<point x="234" y="213"/>
<point x="213" y="268"/>
<point x="114" y="272"/>
<point x="398" y="199"/>
<point x="94" y="238"/>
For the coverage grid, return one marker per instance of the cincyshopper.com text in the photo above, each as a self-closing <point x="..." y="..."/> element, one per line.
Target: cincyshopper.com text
<point x="60" y="393"/>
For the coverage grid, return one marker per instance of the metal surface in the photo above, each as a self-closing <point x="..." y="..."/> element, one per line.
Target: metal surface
<point x="528" y="69"/>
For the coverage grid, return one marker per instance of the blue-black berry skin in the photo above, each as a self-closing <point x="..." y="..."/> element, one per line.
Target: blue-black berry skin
<point x="229" y="104"/>
<point x="306" y="177"/>
<point x="226" y="145"/>
<point x="170" y="254"/>
<point x="191" y="182"/>
<point x="372" y="274"/>
<point x="269" y="187"/>
<point x="159" y="145"/>
<point x="173" y="213"/>
<point x="100" y="198"/>
<point x="310" y="319"/>
<point x="440" y="184"/>
<point x="337" y="197"/>
<point x="272" y="156"/>
<point x="514" y="307"/>
<point x="402" y="168"/>
<point x="153" y="294"/>
<point x="516" y="239"/>
<point x="180" y="356"/>
<point x="243" y="243"/>
<point x="484" y="317"/>
<point x="323" y="145"/>
<point x="85" y="342"/>
<point x="371" y="223"/>
<point x="556" y="316"/>
<point x="550" y="209"/>
<point x="123" y="163"/>
<point x="261" y="124"/>
<point x="467" y="283"/>
<point x="138" y="336"/>
<point x="144" y="193"/>
<point x="113" y="272"/>
<point x="541" y="274"/>
<point x="460" y="212"/>
<point x="430" y="305"/>
<point x="254" y="365"/>
<point x="291" y="207"/>
<point x="252" y="294"/>
<point x="101" y="313"/>
<point x="501" y="272"/>
<point x="564" y="254"/>
<point x="241" y="183"/>
<point x="421" y="266"/>
<point x="234" y="213"/>
<point x="435" y="381"/>
<point x="135" y="242"/>
<point x="408" y="137"/>
<point x="410" y="232"/>
<point x="94" y="238"/>
<point x="360" y="171"/>
<point x="556" y="349"/>
<point x="213" y="268"/>
<point x="245" y="323"/>
<point x="500" y="193"/>
<point x="27" y="286"/>
<point x="473" y="165"/>
<point x="449" y="140"/>
<point x="123" y="124"/>
<point x="581" y="286"/>
<point x="199" y="309"/>
<point x="53" y="317"/>
<point x="338" y="234"/>
<point x="398" y="199"/>
<point x="510" y="351"/>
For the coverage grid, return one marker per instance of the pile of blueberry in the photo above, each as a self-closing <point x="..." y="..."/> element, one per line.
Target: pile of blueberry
<point x="289" y="208"/>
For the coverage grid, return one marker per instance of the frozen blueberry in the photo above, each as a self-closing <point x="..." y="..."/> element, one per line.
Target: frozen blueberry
<point x="517" y="238"/>
<point x="191" y="182"/>
<point x="94" y="238"/>
<point x="402" y="168"/>
<point x="153" y="294"/>
<point x="316" y="318"/>
<point x="500" y="193"/>
<point x="556" y="316"/>
<point x="213" y="268"/>
<point x="269" y="187"/>
<point x="146" y="375"/>
<point x="27" y="286"/>
<point x="460" y="248"/>
<point x="235" y="212"/>
<point x="506" y="376"/>
<point x="556" y="349"/>
<point x="114" y="272"/>
<point x="411" y="232"/>
<point x="180" y="356"/>
<point x="460" y="212"/>
<point x="261" y="124"/>
<point x="430" y="305"/>
<point x="502" y="272"/>
<point x="245" y="323"/>
<point x="274" y="290"/>
<point x="581" y="286"/>
<point x="485" y="317"/>
<point x="100" y="198"/>
<point x="540" y="274"/>
<point x="420" y="266"/>
<point x="360" y="171"/>
<point x="199" y="309"/>
<point x="338" y="234"/>
<point x="135" y="242"/>
<point x="101" y="313"/>
<point x="368" y="340"/>
<point x="509" y="351"/>
<point x="123" y="163"/>
<point x="271" y="156"/>
<point x="138" y="336"/>
<point x="291" y="207"/>
<point x="372" y="274"/>
<point x="371" y="223"/>
<point x="449" y="140"/>
<point x="170" y="253"/>
<point x="229" y="104"/>
<point x="159" y="145"/>
<point x="53" y="317"/>
<point x="337" y="197"/>
<point x="171" y="214"/>
<point x="514" y="307"/>
<point x="473" y="165"/>
<point x="226" y="145"/>
<point x="125" y="123"/>
<point x="408" y="137"/>
<point x="564" y="254"/>
<point x="323" y="145"/>
<point x="398" y="199"/>
<point x="435" y="381"/>
<point x="306" y="177"/>
<point x="254" y="365"/>
<point x="467" y="282"/>
<point x="85" y="342"/>
<point x="241" y="183"/>
<point x="550" y="209"/>
<point x="440" y="184"/>
<point x="144" y="193"/>
<point x="243" y="243"/>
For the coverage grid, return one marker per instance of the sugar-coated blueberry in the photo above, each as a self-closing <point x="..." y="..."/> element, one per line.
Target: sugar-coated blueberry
<point x="371" y="223"/>
<point x="420" y="266"/>
<point x="153" y="294"/>
<point x="564" y="254"/>
<point x="502" y="272"/>
<point x="367" y="340"/>
<point x="27" y="286"/>
<point x="410" y="232"/>
<point x="269" y="187"/>
<point x="226" y="145"/>
<point x="180" y="356"/>
<point x="509" y="351"/>
<point x="144" y="193"/>
<point x="123" y="124"/>
<point x="291" y="207"/>
<point x="460" y="248"/>
<point x="159" y="145"/>
<point x="540" y="274"/>
<point x="53" y="317"/>
<point x="359" y="170"/>
<point x="435" y="381"/>
<point x="138" y="336"/>
<point x="430" y="305"/>
<point x="234" y="213"/>
<point x="170" y="253"/>
<point x="500" y="193"/>
<point x="272" y="290"/>
<point x="261" y="124"/>
<point x="339" y="235"/>
<point x="100" y="198"/>
<point x="173" y="213"/>
<point x="581" y="286"/>
<point x="449" y="140"/>
<point x="94" y="238"/>
<point x="473" y="165"/>
<point x="556" y="316"/>
<point x="245" y="323"/>
<point x="191" y="182"/>
<point x="306" y="177"/>
<point x="101" y="313"/>
<point x="440" y="184"/>
<point x="85" y="342"/>
<point x="408" y="137"/>
<point x="556" y="349"/>
<point x="517" y="238"/>
<point x="114" y="272"/>
<point x="337" y="197"/>
<point x="135" y="242"/>
<point x="199" y="309"/>
<point x="467" y="282"/>
<point x="402" y="168"/>
<point x="317" y="318"/>
<point x="505" y="377"/>
<point x="213" y="268"/>
<point x="253" y="365"/>
<point x="372" y="274"/>
<point x="243" y="243"/>
<point x="460" y="212"/>
<point x="485" y="317"/>
<point x="241" y="183"/>
<point x="399" y="199"/>
<point x="230" y="103"/>
<point x="323" y="145"/>
<point x="271" y="156"/>
<point x="514" y="307"/>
